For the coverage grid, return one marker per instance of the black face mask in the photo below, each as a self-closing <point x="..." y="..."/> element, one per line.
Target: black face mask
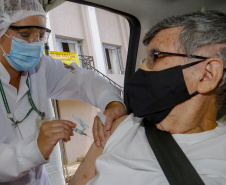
<point x="153" y="94"/>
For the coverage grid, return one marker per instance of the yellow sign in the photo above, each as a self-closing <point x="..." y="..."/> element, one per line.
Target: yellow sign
<point x="65" y="57"/>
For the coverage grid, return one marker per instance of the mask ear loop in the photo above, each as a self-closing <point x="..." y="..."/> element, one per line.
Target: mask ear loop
<point x="194" y="94"/>
<point x="8" y="36"/>
<point x="3" y="50"/>
<point x="1" y="46"/>
<point x="189" y="65"/>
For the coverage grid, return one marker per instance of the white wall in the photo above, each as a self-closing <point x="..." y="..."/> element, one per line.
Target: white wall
<point x="114" y="31"/>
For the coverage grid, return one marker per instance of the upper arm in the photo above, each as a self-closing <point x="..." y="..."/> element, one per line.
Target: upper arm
<point x="87" y="170"/>
<point x="117" y="122"/>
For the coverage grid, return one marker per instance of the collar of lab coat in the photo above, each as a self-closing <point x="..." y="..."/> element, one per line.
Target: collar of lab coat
<point x="4" y="76"/>
<point x="4" y="73"/>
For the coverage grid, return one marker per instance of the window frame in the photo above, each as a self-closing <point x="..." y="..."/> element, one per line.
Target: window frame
<point x="119" y="59"/>
<point x="77" y="43"/>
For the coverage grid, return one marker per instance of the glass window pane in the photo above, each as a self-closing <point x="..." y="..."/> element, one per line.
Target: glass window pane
<point x="65" y="47"/>
<point x="72" y="48"/>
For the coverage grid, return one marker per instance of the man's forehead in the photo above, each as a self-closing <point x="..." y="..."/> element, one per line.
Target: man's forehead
<point x="166" y="40"/>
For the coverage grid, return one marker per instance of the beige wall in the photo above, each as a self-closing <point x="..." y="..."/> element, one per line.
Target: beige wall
<point x="67" y="21"/>
<point x="71" y="21"/>
<point x="109" y="27"/>
<point x="79" y="144"/>
<point x="114" y="31"/>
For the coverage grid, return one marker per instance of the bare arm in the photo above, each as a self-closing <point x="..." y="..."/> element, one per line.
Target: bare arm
<point x="87" y="170"/>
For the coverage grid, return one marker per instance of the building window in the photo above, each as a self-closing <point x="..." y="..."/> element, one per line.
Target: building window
<point x="113" y="60"/>
<point x="66" y="45"/>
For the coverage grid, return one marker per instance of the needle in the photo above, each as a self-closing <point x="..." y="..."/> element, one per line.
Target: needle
<point x="87" y="135"/>
<point x="82" y="133"/>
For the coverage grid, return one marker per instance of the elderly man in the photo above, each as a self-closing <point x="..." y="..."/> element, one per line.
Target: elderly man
<point x="180" y="88"/>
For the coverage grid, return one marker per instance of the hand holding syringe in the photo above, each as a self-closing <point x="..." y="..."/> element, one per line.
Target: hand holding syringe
<point x="83" y="125"/>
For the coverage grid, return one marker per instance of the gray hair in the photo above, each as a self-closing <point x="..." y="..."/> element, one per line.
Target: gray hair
<point x="199" y="29"/>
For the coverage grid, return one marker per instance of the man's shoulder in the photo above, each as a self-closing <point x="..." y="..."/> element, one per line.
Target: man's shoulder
<point x="117" y="122"/>
<point x="127" y="120"/>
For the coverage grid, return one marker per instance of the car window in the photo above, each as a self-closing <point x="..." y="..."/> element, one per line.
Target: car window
<point x="100" y="40"/>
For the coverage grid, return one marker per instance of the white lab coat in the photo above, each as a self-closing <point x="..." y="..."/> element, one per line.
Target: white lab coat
<point x="21" y="162"/>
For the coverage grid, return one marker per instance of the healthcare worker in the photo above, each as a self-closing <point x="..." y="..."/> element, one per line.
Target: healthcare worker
<point x="27" y="80"/>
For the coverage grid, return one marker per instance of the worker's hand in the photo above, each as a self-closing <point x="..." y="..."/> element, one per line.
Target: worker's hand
<point x="101" y="133"/>
<point x="51" y="132"/>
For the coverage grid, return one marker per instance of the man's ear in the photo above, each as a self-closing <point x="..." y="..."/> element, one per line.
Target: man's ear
<point x="211" y="75"/>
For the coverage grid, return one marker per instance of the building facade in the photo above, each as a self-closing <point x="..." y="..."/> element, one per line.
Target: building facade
<point x="88" y="31"/>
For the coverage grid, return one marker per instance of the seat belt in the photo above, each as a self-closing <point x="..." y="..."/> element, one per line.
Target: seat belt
<point x="174" y="163"/>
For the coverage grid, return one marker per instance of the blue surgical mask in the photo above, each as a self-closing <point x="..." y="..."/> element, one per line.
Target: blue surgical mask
<point x="24" y="55"/>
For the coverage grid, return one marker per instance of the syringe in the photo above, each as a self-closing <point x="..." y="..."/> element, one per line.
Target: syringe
<point x="82" y="133"/>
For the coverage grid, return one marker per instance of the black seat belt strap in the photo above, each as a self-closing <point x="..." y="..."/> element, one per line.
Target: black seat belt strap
<point x="174" y="163"/>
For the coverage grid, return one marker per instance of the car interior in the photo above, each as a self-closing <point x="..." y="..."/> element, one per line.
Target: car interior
<point x="141" y="16"/>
